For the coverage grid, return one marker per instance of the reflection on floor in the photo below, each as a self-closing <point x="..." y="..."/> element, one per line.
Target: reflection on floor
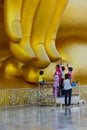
<point x="43" y="118"/>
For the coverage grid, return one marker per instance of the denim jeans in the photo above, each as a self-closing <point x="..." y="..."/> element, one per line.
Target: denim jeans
<point x="68" y="94"/>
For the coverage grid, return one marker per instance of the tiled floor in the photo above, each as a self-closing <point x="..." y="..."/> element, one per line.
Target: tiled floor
<point x="43" y="118"/>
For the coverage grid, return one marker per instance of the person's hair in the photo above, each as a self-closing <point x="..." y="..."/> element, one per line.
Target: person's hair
<point x="67" y="76"/>
<point x="41" y="72"/>
<point x="63" y="68"/>
<point x="58" y="66"/>
<point x="70" y="69"/>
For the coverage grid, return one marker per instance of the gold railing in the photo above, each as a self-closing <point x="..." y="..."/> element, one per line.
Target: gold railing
<point x="83" y="92"/>
<point x="34" y="96"/>
<point x="46" y="94"/>
<point x="24" y="96"/>
<point x="18" y="97"/>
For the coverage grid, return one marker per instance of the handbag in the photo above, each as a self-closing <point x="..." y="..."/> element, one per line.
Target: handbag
<point x="73" y="84"/>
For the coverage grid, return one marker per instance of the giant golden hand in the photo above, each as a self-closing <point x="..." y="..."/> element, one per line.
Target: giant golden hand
<point x="32" y="32"/>
<point x="31" y="28"/>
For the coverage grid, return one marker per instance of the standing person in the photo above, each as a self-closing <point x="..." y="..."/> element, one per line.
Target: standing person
<point x="56" y="84"/>
<point x="70" y="71"/>
<point x="58" y="70"/>
<point x="62" y="79"/>
<point x="41" y="79"/>
<point x="68" y="90"/>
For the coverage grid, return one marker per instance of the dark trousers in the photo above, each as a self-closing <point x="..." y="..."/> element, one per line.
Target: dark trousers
<point x="62" y="91"/>
<point x="58" y="94"/>
<point x="68" y="94"/>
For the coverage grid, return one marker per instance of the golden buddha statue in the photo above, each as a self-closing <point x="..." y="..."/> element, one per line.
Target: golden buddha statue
<point x="35" y="34"/>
